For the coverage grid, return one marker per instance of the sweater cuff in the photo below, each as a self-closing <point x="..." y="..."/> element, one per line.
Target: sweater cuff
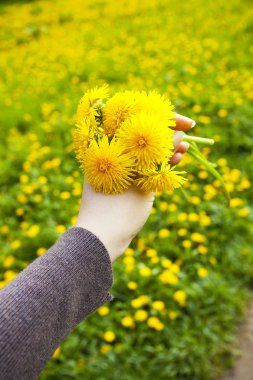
<point x="98" y="265"/>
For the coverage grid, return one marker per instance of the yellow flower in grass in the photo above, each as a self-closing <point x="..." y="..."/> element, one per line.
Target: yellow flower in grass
<point x="147" y="139"/>
<point x="158" y="305"/>
<point x="141" y="315"/>
<point x="168" y="277"/>
<point x="140" y="301"/>
<point x="105" y="348"/>
<point x="103" y="310"/>
<point x="57" y="353"/>
<point x="33" y="231"/>
<point x="9" y="275"/>
<point x="145" y="271"/>
<point x="202" y="272"/>
<point x="7" y="263"/>
<point x="167" y="179"/>
<point x="3" y="284"/>
<point x="155" y="323"/>
<point x="117" y="110"/>
<point x="180" y="297"/>
<point x="202" y="249"/>
<point x="40" y="251"/>
<point x="132" y="285"/>
<point x="128" y="321"/>
<point x="172" y="315"/>
<point x="15" y="244"/>
<point x="163" y="233"/>
<point x="107" y="167"/>
<point x="109" y="336"/>
<point x="198" y="238"/>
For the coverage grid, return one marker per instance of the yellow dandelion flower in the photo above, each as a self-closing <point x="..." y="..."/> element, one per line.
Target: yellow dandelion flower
<point x="145" y="271"/>
<point x="88" y="110"/>
<point x="128" y="321"/>
<point x="158" y="305"/>
<point x="96" y="94"/>
<point x="180" y="297"/>
<point x="56" y="353"/>
<point x="40" y="251"/>
<point x="141" y="315"/>
<point x="146" y="139"/>
<point x="109" y="336"/>
<point x="90" y="100"/>
<point x="7" y="263"/>
<point x="117" y="110"/>
<point x="105" y="348"/>
<point x="103" y="310"/>
<point x="86" y="113"/>
<point x="107" y="167"/>
<point x="163" y="233"/>
<point x="167" y="277"/>
<point x="132" y="285"/>
<point x="155" y="323"/>
<point x="167" y="179"/>
<point x="81" y="138"/>
<point x="172" y="315"/>
<point x="156" y="104"/>
<point x="202" y="272"/>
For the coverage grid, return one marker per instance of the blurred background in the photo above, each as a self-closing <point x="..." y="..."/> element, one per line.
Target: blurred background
<point x="182" y="286"/>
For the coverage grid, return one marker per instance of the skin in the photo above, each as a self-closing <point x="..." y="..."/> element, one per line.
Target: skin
<point x="116" y="219"/>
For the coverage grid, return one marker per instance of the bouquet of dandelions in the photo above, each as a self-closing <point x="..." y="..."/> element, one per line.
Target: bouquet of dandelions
<point x="127" y="140"/>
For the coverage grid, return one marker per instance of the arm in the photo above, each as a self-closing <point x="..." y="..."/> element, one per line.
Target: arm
<point x="48" y="299"/>
<point x="42" y="305"/>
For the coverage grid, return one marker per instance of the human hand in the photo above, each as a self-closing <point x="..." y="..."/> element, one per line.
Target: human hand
<point x="116" y="219"/>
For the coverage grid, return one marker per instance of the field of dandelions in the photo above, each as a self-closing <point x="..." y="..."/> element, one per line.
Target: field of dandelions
<point x="182" y="286"/>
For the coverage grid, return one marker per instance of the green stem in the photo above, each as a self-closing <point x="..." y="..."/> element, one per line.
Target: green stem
<point x="200" y="140"/>
<point x="184" y="193"/>
<point x="209" y="167"/>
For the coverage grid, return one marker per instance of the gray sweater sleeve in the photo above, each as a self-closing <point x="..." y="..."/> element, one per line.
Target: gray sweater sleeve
<point x="40" y="307"/>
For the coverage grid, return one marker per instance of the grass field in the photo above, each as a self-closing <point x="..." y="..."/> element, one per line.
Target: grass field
<point x="181" y="288"/>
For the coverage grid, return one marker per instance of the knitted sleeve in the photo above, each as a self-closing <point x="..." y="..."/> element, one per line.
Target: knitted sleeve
<point x="43" y="304"/>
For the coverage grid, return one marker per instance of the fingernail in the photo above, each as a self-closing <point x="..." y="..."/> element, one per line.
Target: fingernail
<point x="185" y="144"/>
<point x="178" y="135"/>
<point x="193" y="123"/>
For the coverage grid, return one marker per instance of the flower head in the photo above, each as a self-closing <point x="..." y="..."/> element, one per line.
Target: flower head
<point x="81" y="138"/>
<point x="118" y="109"/>
<point x="90" y="104"/>
<point x="146" y="139"/>
<point x="107" y="167"/>
<point x="156" y="104"/>
<point x="165" y="179"/>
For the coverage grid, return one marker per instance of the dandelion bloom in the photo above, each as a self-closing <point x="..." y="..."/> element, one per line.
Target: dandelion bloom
<point x="166" y="179"/>
<point x="89" y="107"/>
<point x="117" y="110"/>
<point x="157" y="104"/>
<point x="81" y="138"/>
<point x="107" y="167"/>
<point x="147" y="139"/>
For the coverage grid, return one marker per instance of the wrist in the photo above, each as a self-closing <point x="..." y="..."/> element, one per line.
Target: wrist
<point x="113" y="247"/>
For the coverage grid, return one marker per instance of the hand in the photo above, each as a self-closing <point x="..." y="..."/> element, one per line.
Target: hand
<point x="116" y="219"/>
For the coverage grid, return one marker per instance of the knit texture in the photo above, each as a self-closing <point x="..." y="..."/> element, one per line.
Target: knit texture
<point x="42" y="305"/>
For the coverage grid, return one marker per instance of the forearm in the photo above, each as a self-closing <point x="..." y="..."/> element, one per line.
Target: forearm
<point x="48" y="299"/>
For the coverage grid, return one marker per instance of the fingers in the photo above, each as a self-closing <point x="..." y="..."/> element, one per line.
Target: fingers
<point x="179" y="151"/>
<point x="183" y="147"/>
<point x="177" y="138"/>
<point x="183" y="123"/>
<point x="176" y="158"/>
